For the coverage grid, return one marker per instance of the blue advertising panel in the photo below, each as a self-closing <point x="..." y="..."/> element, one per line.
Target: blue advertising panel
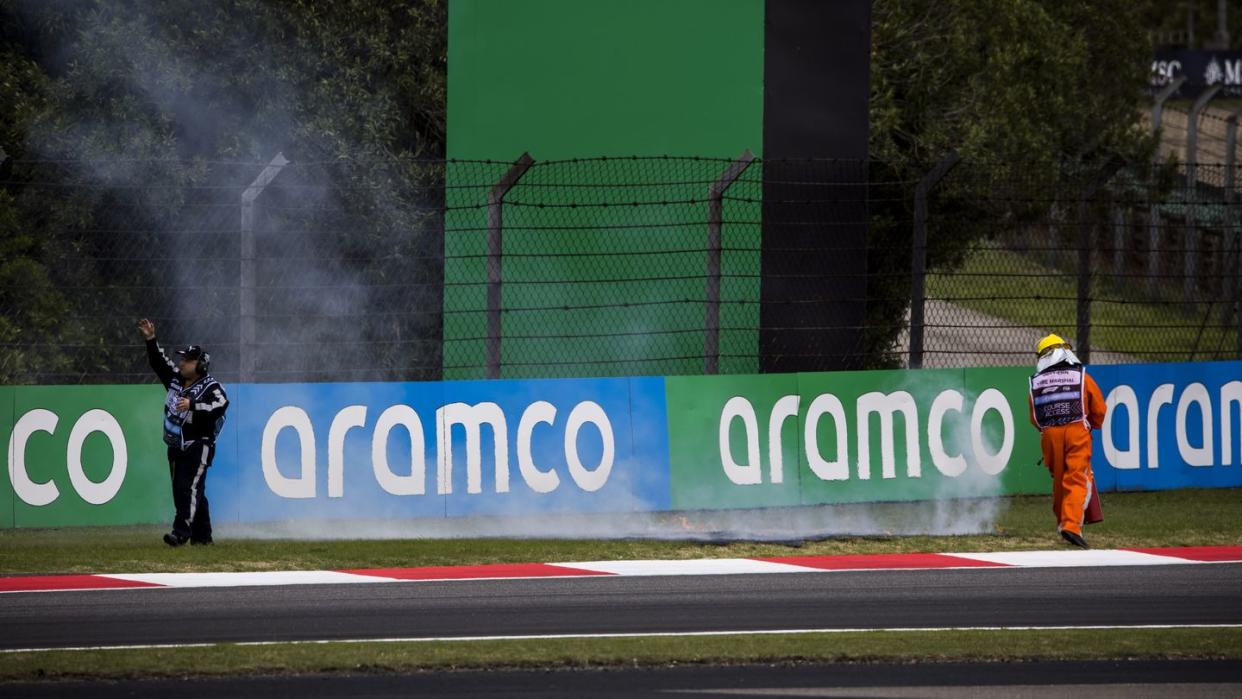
<point x="1170" y="426"/>
<point x="416" y="450"/>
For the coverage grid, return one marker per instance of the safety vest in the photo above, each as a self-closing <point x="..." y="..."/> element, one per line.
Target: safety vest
<point x="1058" y="397"/>
<point x="175" y="420"/>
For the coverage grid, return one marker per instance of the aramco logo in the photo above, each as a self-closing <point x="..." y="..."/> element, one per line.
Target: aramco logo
<point x="969" y="442"/>
<point x="540" y="478"/>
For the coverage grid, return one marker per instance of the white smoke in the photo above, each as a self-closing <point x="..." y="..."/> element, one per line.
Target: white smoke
<point x="965" y="504"/>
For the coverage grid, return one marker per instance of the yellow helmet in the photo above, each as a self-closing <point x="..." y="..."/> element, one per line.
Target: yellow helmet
<point x="1050" y="342"/>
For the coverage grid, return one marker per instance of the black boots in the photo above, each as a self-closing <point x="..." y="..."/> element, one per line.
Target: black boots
<point x="1075" y="539"/>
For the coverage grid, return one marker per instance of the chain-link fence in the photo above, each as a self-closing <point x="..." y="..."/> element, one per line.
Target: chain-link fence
<point x="284" y="271"/>
<point x="1135" y="269"/>
<point x="389" y="269"/>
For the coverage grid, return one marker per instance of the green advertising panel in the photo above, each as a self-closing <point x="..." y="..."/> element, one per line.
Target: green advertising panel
<point x="870" y="442"/>
<point x="876" y="436"/>
<point x="6" y="424"/>
<point x="1024" y="475"/>
<point x="754" y="412"/>
<point x="83" y="455"/>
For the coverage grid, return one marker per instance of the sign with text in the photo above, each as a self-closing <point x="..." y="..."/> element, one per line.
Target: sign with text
<point x="1202" y="69"/>
<point x="92" y="455"/>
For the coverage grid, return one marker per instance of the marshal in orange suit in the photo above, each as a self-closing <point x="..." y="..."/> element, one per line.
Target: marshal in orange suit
<point x="1066" y="404"/>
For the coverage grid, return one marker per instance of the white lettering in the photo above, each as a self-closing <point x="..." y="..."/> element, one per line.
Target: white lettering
<point x="991" y="462"/>
<point x="1233" y="71"/>
<point x="1122" y="397"/>
<point x="97" y="421"/>
<point x="302" y="486"/>
<point x="1164" y="71"/>
<point x="416" y="482"/>
<point x="885" y="405"/>
<point x="539" y="412"/>
<point x="1162" y="396"/>
<point x="347" y="419"/>
<point x="1230" y="395"/>
<point x="31" y="493"/>
<point x="839" y="468"/>
<point x="951" y="466"/>
<point x="584" y="412"/>
<point x="471" y="418"/>
<point x="1202" y="455"/>
<point x="741" y="474"/>
<point x="784" y="409"/>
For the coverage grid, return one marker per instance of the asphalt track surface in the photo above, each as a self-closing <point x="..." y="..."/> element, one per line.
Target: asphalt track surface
<point x="1171" y="594"/>
<point x="1099" y="680"/>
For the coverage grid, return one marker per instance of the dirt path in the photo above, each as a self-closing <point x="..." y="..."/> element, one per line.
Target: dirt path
<point x="957" y="336"/>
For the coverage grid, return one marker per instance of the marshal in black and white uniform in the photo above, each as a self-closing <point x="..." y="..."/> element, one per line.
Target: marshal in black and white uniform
<point x="193" y="417"/>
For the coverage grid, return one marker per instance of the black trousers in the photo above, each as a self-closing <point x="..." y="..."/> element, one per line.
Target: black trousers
<point x="188" y="468"/>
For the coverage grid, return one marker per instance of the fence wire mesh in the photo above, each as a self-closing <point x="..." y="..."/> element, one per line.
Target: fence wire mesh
<point x="387" y="269"/>
<point x="1151" y="262"/>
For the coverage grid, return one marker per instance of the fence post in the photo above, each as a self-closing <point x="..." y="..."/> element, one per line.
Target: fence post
<point x="1051" y="235"/>
<point x="245" y="279"/>
<point x="1153" y="245"/>
<point x="1192" y="124"/>
<point x="1120" y="228"/>
<point x="1231" y="151"/>
<point x="918" y="254"/>
<point x="1084" y="279"/>
<point x="1153" y="211"/>
<point x="715" y="223"/>
<point x="495" y="202"/>
<point x="1157" y="106"/>
<point x="1085" y="245"/>
<point x="1235" y="221"/>
<point x="1190" y="249"/>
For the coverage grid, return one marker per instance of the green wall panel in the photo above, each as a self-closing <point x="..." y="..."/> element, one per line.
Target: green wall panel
<point x="602" y="290"/>
<point x="7" y="394"/>
<point x="877" y="436"/>
<point x="136" y="491"/>
<point x="696" y="405"/>
<point x="571" y="79"/>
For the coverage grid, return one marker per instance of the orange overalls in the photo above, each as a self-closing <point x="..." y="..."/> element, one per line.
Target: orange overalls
<point x="1068" y="409"/>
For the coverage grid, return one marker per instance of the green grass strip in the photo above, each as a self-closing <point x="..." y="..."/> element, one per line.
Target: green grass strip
<point x="869" y="646"/>
<point x="1169" y="518"/>
<point x="988" y="282"/>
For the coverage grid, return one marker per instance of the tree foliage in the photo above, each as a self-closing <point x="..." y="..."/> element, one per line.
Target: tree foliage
<point x="1034" y="96"/>
<point x="129" y="115"/>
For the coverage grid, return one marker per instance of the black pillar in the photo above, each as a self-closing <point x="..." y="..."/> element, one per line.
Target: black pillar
<point x="815" y="128"/>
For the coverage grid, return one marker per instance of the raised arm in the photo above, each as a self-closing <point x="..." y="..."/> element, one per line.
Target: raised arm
<point x="160" y="363"/>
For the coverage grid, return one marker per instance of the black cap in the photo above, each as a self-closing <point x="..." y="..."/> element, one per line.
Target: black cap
<point x="191" y="352"/>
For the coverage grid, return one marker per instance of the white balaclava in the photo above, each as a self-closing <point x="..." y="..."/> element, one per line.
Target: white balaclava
<point x="1056" y="356"/>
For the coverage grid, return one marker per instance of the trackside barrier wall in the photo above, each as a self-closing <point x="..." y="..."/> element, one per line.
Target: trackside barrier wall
<point x="92" y="455"/>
